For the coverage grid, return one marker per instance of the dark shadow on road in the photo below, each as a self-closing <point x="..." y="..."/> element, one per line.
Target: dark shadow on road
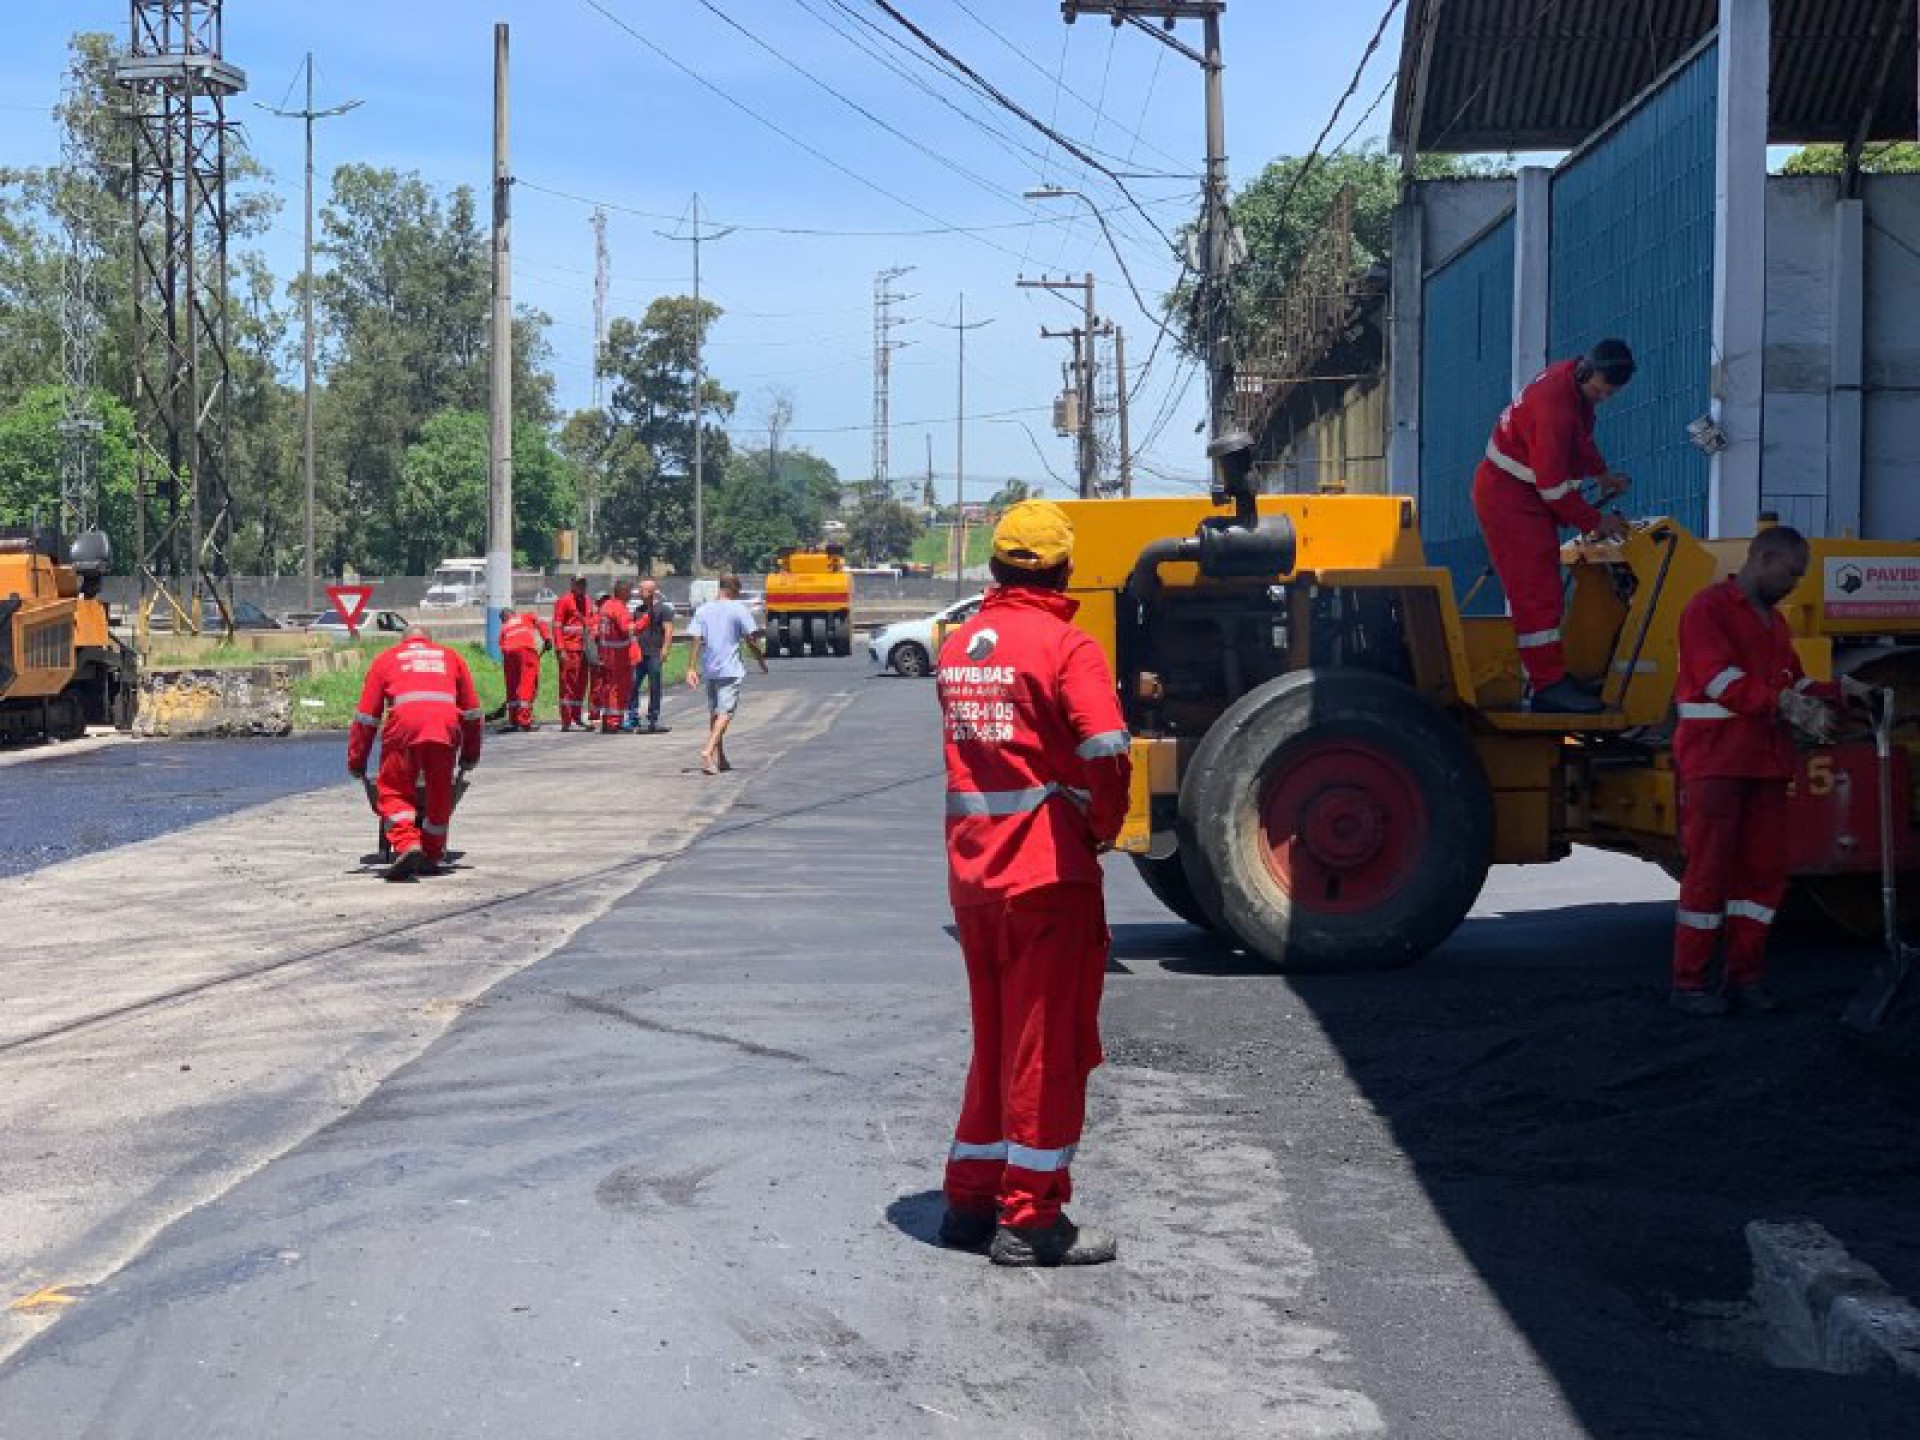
<point x="917" y="1216"/>
<point x="1594" y="1154"/>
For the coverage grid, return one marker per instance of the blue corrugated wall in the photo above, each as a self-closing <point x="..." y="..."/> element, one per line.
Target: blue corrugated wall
<point x="1633" y="257"/>
<point x="1467" y="344"/>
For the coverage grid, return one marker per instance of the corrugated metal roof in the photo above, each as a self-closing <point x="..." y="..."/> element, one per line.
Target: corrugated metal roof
<point x="1498" y="75"/>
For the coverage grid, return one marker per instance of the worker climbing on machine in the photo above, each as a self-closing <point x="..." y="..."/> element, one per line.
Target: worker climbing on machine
<point x="613" y="676"/>
<point x="572" y="616"/>
<point x="426" y="694"/>
<point x="1741" y="696"/>
<point x="1037" y="760"/>
<point x="524" y="638"/>
<point x="1528" y="486"/>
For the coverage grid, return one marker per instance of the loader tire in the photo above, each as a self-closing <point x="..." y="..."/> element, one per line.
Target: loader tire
<point x="1167" y="879"/>
<point x="1336" y="820"/>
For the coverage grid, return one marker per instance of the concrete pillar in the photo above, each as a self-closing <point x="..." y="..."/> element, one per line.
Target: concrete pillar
<point x="1532" y="271"/>
<point x="1408" y="299"/>
<point x="1739" y="263"/>
<point x="1845" y="500"/>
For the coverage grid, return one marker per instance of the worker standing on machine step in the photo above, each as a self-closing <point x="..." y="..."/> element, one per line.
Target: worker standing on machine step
<point x="1741" y="694"/>
<point x="433" y="716"/>
<point x="1528" y="487"/>
<point x="572" y="615"/>
<point x="613" y="676"/>
<point x="524" y="638"/>
<point x="1037" y="760"/>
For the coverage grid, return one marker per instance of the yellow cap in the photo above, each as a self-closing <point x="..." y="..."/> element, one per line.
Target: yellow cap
<point x="1033" y="535"/>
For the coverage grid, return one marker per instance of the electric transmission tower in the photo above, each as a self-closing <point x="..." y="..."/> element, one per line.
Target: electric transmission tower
<point x="885" y="321"/>
<point x="601" y="282"/>
<point x="178" y="84"/>
<point x="79" y="424"/>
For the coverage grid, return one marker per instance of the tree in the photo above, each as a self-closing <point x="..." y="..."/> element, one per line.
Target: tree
<point x="648" y="510"/>
<point x="881" y="529"/>
<point x="1011" y="493"/>
<point x="440" y="508"/>
<point x="30" y="452"/>
<point x="1899" y="158"/>
<point x="768" y="501"/>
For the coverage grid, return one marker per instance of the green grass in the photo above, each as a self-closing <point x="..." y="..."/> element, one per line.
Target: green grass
<point x="339" y="691"/>
<point x="934" y="547"/>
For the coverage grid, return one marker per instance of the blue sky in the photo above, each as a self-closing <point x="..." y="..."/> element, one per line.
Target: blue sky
<point x="598" y="114"/>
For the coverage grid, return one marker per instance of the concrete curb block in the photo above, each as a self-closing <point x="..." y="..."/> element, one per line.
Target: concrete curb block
<point x="1827" y="1310"/>
<point x="246" y="700"/>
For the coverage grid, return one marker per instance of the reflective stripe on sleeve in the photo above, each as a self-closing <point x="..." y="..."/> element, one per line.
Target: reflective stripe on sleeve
<point x="1696" y="711"/>
<point x="1046" y="1161"/>
<point x="1699" y="919"/>
<point x="963" y="1151"/>
<point x="1107" y="742"/>
<point x="360" y="717"/>
<point x="1534" y="639"/>
<point x="1805" y="683"/>
<point x="1560" y="491"/>
<point x="1011" y="802"/>
<point x="1723" y="682"/>
<point x="1749" y="910"/>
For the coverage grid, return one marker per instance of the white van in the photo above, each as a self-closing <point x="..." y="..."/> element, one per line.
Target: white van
<point x="456" y="585"/>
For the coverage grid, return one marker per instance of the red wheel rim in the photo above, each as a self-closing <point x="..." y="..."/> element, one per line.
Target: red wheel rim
<point x="1345" y="825"/>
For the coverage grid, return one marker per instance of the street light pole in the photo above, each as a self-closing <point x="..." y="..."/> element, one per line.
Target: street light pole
<point x="960" y="449"/>
<point x="309" y="115"/>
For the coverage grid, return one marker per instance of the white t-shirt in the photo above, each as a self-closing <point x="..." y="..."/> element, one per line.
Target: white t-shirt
<point x="721" y="625"/>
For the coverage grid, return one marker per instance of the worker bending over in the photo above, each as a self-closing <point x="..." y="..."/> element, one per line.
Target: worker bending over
<point x="426" y="693"/>
<point x="1528" y="487"/>
<point x="1037" y="772"/>
<point x="524" y="638"/>
<point x="572" y="617"/>
<point x="1741" y="696"/>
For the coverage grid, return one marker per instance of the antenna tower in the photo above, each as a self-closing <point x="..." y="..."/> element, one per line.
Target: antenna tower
<point x="178" y="85"/>
<point x="885" y="297"/>
<point x="600" y="286"/>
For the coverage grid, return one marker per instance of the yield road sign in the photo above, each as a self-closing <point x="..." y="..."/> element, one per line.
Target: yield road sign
<point x="351" y="602"/>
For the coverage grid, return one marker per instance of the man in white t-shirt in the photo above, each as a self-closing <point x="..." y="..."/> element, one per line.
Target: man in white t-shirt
<point x="718" y="629"/>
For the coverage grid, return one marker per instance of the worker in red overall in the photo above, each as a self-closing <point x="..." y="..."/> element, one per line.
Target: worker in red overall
<point x="1528" y="487"/>
<point x="524" y="638"/>
<point x="613" y="676"/>
<point x="1037" y="760"/>
<point x="572" y="617"/>
<point x="433" y="716"/>
<point x="1741" y="695"/>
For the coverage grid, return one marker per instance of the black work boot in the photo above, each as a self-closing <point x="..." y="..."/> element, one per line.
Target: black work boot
<point x="967" y="1229"/>
<point x="1755" y="997"/>
<point x="1565" y="697"/>
<point x="1061" y="1243"/>
<point x="1698" y="1002"/>
<point x="407" y="864"/>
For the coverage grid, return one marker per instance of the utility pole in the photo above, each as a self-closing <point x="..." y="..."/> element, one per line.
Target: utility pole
<point x="885" y="297"/>
<point x="1120" y="393"/>
<point x="500" y="445"/>
<point x="309" y="115"/>
<point x="1217" y="247"/>
<point x="699" y="388"/>
<point x="602" y="281"/>
<point x="960" y="449"/>
<point x="1084" y="367"/>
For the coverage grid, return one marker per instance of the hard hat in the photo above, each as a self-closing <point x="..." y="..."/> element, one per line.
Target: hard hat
<point x="1033" y="535"/>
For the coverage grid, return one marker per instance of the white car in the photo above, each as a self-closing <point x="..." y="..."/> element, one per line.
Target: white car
<point x="908" y="648"/>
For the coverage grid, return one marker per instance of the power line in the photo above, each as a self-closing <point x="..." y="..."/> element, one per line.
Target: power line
<point x="908" y="424"/>
<point x="1366" y="58"/>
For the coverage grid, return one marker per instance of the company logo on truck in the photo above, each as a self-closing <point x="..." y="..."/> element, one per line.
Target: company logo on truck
<point x="1867" y="587"/>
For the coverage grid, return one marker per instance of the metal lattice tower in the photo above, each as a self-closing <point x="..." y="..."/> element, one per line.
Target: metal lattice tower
<point x="601" y="282"/>
<point x="178" y="85"/>
<point x="885" y="297"/>
<point x="79" y="424"/>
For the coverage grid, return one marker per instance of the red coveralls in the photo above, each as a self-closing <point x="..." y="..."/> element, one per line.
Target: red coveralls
<point x="613" y="677"/>
<point x="1037" y="774"/>
<point x="1735" y="756"/>
<point x="571" y="616"/>
<point x="432" y="711"/>
<point x="1524" y="491"/>
<point x="521" y="640"/>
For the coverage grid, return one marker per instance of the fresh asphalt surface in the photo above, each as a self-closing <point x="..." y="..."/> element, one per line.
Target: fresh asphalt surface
<point x="1522" y="1181"/>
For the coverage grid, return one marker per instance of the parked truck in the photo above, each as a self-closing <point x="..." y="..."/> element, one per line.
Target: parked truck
<point x="1328" y="755"/>
<point x="810" y="603"/>
<point x="61" y="666"/>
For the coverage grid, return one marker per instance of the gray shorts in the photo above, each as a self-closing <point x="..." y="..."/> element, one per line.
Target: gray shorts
<point x="723" y="697"/>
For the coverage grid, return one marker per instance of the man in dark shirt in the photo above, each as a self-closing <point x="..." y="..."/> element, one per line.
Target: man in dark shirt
<point x="654" y="617"/>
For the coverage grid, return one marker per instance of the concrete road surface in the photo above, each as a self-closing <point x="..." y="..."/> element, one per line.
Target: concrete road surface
<point x="633" y="1128"/>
